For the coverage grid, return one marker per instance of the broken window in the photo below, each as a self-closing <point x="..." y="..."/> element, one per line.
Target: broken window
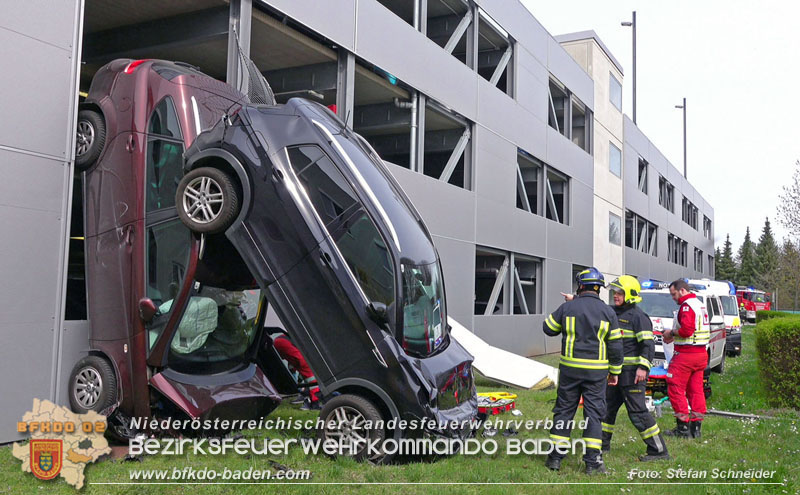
<point x="529" y="180"/>
<point x="448" y="25"/>
<point x="495" y="53"/>
<point x="446" y="146"/>
<point x="383" y="113"/>
<point x="615" y="91"/>
<point x="614" y="160"/>
<point x="642" y="175"/>
<point x="558" y="107"/>
<point x="614" y="229"/>
<point x="666" y="194"/>
<point x="498" y="273"/>
<point x="640" y="234"/>
<point x="557" y="196"/>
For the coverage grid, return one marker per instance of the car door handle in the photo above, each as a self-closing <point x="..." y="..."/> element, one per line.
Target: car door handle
<point x="277" y="175"/>
<point x="326" y="259"/>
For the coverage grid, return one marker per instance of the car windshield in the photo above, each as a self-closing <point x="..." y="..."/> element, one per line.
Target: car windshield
<point x="758" y="297"/>
<point x="729" y="305"/>
<point x="424" y="313"/>
<point x="657" y="304"/>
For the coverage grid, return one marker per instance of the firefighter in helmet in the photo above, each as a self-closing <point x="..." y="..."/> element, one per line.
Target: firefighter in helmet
<point x="638" y="347"/>
<point x="591" y="356"/>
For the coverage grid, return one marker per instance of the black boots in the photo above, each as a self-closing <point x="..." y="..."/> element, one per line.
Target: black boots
<point x="694" y="429"/>
<point x="598" y="467"/>
<point x="552" y="463"/>
<point x="680" y="431"/>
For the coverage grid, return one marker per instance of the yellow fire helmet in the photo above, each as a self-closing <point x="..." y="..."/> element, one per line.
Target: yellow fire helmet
<point x="630" y="287"/>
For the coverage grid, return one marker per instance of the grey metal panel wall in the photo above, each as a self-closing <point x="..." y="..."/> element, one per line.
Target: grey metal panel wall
<point x="637" y="263"/>
<point x="335" y="19"/>
<point x="36" y="143"/>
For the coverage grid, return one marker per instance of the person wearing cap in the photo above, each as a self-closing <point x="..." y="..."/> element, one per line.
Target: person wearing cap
<point x="591" y="356"/>
<point x="638" y="348"/>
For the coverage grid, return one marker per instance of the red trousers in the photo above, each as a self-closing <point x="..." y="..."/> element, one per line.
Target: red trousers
<point x="685" y="379"/>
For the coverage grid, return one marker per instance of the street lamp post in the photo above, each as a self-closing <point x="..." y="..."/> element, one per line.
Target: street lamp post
<point x="684" y="135"/>
<point x="632" y="25"/>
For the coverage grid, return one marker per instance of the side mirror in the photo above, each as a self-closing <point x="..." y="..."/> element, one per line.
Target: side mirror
<point x="147" y="309"/>
<point x="377" y="312"/>
<point x="717" y="320"/>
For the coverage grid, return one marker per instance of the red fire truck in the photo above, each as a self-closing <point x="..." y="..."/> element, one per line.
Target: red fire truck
<point x="751" y="300"/>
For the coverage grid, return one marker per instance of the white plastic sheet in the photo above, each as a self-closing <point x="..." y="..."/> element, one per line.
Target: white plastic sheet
<point x="503" y="366"/>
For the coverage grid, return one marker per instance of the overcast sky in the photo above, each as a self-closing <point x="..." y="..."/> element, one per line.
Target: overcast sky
<point x="737" y="63"/>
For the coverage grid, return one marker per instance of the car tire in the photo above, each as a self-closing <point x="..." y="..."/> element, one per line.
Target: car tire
<point x="92" y="385"/>
<point x="90" y="138"/>
<point x="342" y="412"/>
<point x="720" y="368"/>
<point x="207" y="200"/>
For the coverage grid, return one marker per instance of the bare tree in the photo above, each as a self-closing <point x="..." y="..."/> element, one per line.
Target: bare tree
<point x="789" y="207"/>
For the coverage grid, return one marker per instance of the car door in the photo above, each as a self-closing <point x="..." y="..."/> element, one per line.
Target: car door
<point x="717" y="327"/>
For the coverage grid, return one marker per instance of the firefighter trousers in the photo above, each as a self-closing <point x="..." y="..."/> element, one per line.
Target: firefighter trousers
<point x="685" y="379"/>
<point x="570" y="390"/>
<point x="634" y="399"/>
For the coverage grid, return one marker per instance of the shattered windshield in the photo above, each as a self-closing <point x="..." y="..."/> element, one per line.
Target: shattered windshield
<point x="423" y="308"/>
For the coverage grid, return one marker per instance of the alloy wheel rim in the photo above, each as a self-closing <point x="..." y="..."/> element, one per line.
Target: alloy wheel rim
<point x="346" y="425"/>
<point x="88" y="387"/>
<point x="202" y="199"/>
<point x="85" y="137"/>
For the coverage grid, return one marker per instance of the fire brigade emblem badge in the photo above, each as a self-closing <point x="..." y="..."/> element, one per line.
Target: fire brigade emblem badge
<point x="46" y="458"/>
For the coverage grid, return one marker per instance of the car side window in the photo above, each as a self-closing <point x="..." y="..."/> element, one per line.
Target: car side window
<point x="166" y="259"/>
<point x="164" y="156"/>
<point x="349" y="225"/>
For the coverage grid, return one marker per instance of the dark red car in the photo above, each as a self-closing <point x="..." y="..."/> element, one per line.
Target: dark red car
<point x="142" y="262"/>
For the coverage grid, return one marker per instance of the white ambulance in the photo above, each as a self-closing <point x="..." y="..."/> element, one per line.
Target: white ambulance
<point x="659" y="306"/>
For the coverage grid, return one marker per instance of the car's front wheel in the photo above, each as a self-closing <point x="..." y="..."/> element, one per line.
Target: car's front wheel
<point x="90" y="138"/>
<point x="92" y="385"/>
<point x="207" y="200"/>
<point x="351" y="423"/>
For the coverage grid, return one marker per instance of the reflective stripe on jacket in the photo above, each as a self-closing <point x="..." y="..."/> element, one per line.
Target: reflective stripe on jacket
<point x="702" y="330"/>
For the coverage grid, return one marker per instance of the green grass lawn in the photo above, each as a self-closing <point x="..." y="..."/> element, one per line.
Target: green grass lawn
<point x="728" y="443"/>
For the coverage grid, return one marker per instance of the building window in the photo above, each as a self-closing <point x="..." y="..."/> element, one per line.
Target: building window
<point x="506" y="283"/>
<point x="529" y="180"/>
<point x="447" y="154"/>
<point x="677" y="250"/>
<point x="615" y="91"/>
<point x="614" y="159"/>
<point x="711" y="266"/>
<point x="698" y="260"/>
<point x="569" y="116"/>
<point x="707" y="231"/>
<point x="666" y="194"/>
<point x="495" y="53"/>
<point x="689" y="213"/>
<point x="640" y="234"/>
<point x="642" y="175"/>
<point x="614" y="229"/>
<point x="557" y="196"/>
<point x="448" y="24"/>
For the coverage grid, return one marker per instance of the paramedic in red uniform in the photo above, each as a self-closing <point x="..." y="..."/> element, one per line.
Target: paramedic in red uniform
<point x="685" y="377"/>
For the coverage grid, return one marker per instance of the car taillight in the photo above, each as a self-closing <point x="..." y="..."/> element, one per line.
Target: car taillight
<point x="133" y="65"/>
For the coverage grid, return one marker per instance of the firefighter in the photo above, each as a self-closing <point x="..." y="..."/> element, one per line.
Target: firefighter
<point x="685" y="378"/>
<point x="638" y="347"/>
<point x="591" y="356"/>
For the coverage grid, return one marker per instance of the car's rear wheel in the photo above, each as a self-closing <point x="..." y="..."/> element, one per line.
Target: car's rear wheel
<point x="90" y="138"/>
<point x="92" y="385"/>
<point x="207" y="200"/>
<point x="346" y="420"/>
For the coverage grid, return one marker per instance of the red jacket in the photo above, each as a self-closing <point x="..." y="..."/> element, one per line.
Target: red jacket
<point x="686" y="320"/>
